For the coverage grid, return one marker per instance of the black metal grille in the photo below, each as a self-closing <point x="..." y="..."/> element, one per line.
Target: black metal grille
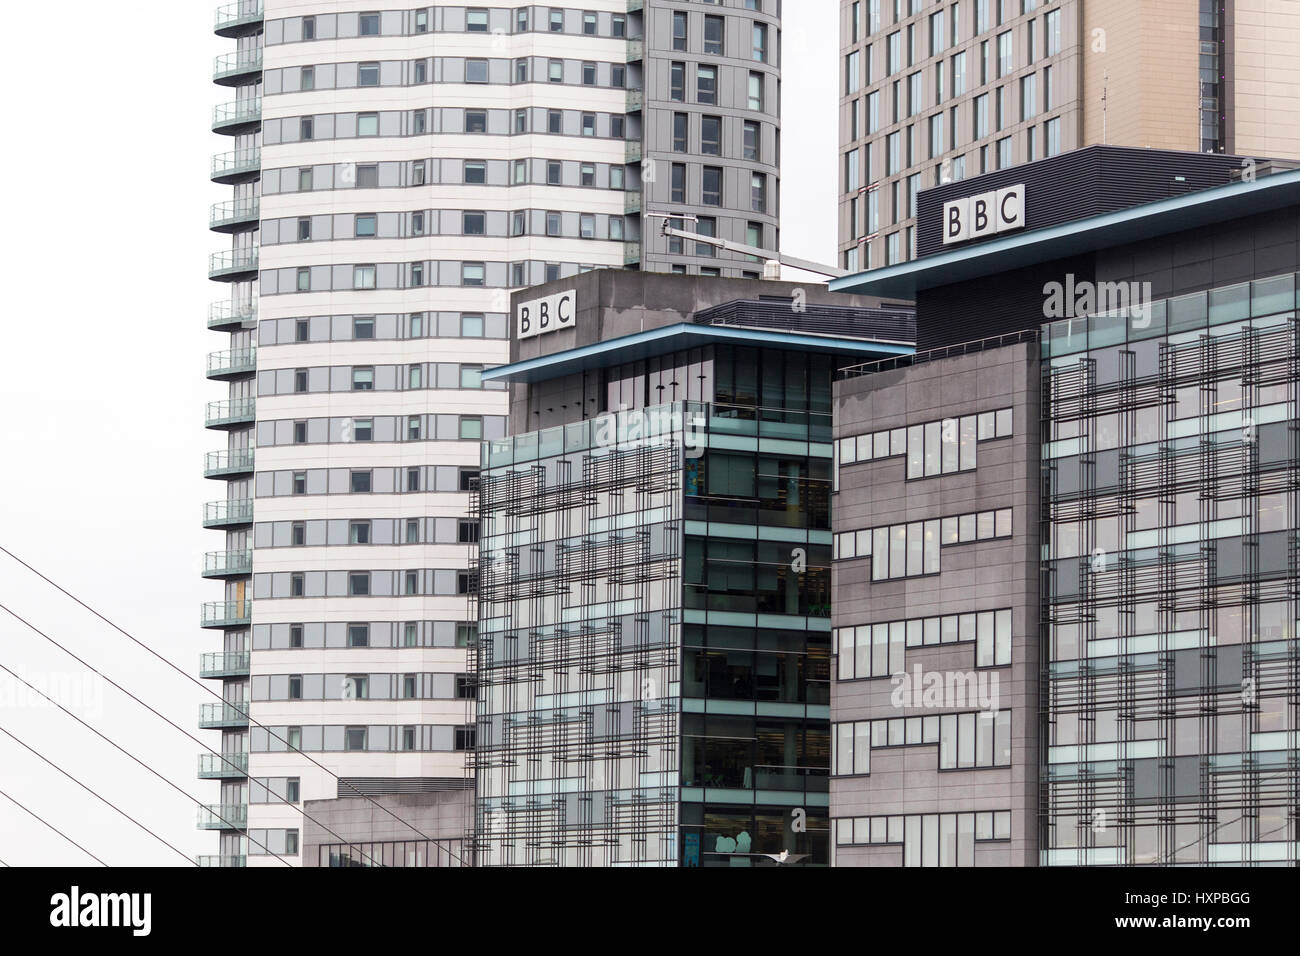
<point x="781" y="314"/>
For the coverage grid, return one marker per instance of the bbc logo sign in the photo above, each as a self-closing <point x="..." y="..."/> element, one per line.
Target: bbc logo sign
<point x="550" y="314"/>
<point x="974" y="217"/>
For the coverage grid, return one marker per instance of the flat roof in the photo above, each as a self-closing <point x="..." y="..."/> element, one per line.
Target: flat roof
<point x="1192" y="210"/>
<point x="683" y="335"/>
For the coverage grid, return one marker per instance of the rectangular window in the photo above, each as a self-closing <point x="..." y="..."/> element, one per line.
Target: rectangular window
<point x="367" y="124"/>
<point x="711" y="135"/>
<point x="755" y="101"/>
<point x="706" y="84"/>
<point x="753" y="141"/>
<point x="714" y="29"/>
<point x="363" y="277"/>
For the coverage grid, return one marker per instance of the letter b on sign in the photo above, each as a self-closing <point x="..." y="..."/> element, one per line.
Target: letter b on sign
<point x="974" y="217"/>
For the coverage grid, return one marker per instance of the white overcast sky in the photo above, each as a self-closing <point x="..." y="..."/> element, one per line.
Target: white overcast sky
<point x="102" y="391"/>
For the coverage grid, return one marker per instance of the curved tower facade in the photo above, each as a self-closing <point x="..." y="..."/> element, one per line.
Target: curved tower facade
<point x="405" y="170"/>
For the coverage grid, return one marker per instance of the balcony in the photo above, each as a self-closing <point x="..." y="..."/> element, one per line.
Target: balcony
<point x="631" y="253"/>
<point x="632" y="201"/>
<point x="223" y="766"/>
<point x="220" y="664"/>
<point x="208" y="859"/>
<point x="238" y="18"/>
<point x="228" y="414"/>
<point x="230" y="513"/>
<point x="222" y="716"/>
<point x="233" y="265"/>
<point x="227" y="614"/>
<point x="234" y="215"/>
<point x="635" y="100"/>
<point x="230" y="69"/>
<point x="228" y="316"/>
<point x="635" y="50"/>
<point x="238" y="116"/>
<point x="227" y="564"/>
<point x="232" y="363"/>
<point x="229" y="463"/>
<point x="223" y="816"/>
<point x="236" y="165"/>
<point x="633" y="151"/>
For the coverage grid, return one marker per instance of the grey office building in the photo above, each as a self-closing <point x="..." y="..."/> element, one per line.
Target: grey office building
<point x="1098" y="437"/>
<point x="653" y="583"/>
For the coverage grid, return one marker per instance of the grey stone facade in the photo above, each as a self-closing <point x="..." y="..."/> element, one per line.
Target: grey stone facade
<point x="974" y="577"/>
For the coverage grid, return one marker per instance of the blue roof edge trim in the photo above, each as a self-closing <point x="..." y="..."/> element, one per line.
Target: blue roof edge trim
<point x="585" y="355"/>
<point x="1073" y="238"/>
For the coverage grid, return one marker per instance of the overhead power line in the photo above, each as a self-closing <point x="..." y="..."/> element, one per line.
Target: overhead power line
<point x="207" y="690"/>
<point x="34" y="814"/>
<point x="102" y="799"/>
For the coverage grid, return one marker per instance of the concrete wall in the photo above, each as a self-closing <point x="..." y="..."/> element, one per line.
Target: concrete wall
<point x="444" y="815"/>
<point x="973" y="577"/>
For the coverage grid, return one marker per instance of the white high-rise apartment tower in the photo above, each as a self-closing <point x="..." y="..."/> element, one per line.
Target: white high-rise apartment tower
<point x="395" y="173"/>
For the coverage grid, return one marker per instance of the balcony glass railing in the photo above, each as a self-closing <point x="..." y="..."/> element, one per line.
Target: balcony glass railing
<point x="632" y="152"/>
<point x="235" y="64"/>
<point x="632" y="201"/>
<point x="231" y="262"/>
<point x="631" y="252"/>
<point x="226" y="563"/>
<point x="218" y="715"/>
<point x="226" y="613"/>
<point x="209" y="859"/>
<point x="227" y="314"/>
<point x="231" y="511"/>
<point x="238" y="162"/>
<point x="217" y="766"/>
<point x="237" y="113"/>
<point x="233" y="212"/>
<point x="238" y="13"/>
<point x="223" y="816"/>
<point x="232" y="362"/>
<point x="231" y="412"/>
<point x="228" y="461"/>
<point x="224" y="664"/>
<point x="635" y="100"/>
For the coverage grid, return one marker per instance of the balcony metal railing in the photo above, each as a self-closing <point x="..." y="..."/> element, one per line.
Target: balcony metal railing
<point x="225" y="860"/>
<point x="238" y="63"/>
<point x="223" y="564"/>
<point x="222" y="766"/>
<point x="233" y="212"/>
<point x="234" y="411"/>
<point x="230" y="263"/>
<point x="224" y="664"/>
<point x="237" y="113"/>
<point x="235" y="163"/>
<point x="228" y="462"/>
<point x="227" y="613"/>
<point x="232" y="362"/>
<point x="237" y="14"/>
<point x="227" y="314"/>
<point x="223" y="816"/>
<point x="232" y="511"/>
<point x="218" y="716"/>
